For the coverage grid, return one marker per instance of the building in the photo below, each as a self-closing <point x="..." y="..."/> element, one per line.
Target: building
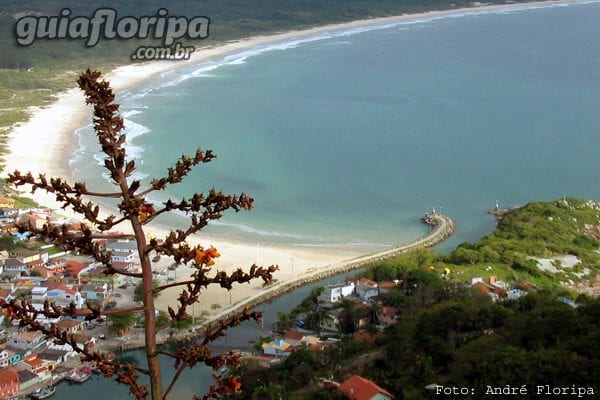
<point x="126" y="246"/>
<point x="386" y="316"/>
<point x="331" y="321"/>
<point x="358" y="388"/>
<point x="97" y="293"/>
<point x="39" y="294"/>
<point x="14" y="264"/>
<point x="8" y="358"/>
<point x="26" y="340"/>
<point x="36" y="366"/>
<point x="70" y="326"/>
<point x="367" y="289"/>
<point x="335" y="293"/>
<point x="34" y="220"/>
<point x="9" y="383"/>
<point x="277" y="348"/>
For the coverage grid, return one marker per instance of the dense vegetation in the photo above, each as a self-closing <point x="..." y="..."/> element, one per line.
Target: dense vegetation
<point x="450" y="334"/>
<point x="31" y="76"/>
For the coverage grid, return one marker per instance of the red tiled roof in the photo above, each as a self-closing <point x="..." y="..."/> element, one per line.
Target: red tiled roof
<point x="481" y="287"/>
<point x="389" y="311"/>
<point x="8" y="377"/>
<point x="358" y="388"/>
<point x="4" y="293"/>
<point x="387" y="285"/>
<point x="367" y="281"/>
<point x="294" y="335"/>
<point x="75" y="267"/>
<point x="33" y="362"/>
<point x="364" y="336"/>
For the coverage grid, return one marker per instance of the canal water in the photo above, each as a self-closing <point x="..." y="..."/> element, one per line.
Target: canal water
<point x="197" y="380"/>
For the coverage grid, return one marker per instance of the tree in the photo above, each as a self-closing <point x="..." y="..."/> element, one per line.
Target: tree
<point x="139" y="290"/>
<point x="137" y="212"/>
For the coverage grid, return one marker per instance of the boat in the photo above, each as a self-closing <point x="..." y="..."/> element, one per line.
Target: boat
<point x="43" y="393"/>
<point x="79" y="375"/>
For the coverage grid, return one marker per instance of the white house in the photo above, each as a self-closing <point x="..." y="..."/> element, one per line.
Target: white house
<point x="127" y="246"/>
<point x="39" y="294"/>
<point x="367" y="290"/>
<point x="335" y="293"/>
<point x="26" y="340"/>
<point x="515" y="294"/>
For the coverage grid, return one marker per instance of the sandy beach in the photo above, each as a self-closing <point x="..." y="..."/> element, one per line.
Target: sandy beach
<point x="46" y="142"/>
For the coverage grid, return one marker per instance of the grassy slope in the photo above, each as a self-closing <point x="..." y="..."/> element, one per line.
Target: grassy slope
<point x="539" y="229"/>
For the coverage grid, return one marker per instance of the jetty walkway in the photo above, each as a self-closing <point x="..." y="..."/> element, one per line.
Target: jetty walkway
<point x="441" y="227"/>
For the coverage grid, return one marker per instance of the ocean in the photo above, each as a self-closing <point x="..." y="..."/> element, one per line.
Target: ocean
<point x="346" y="138"/>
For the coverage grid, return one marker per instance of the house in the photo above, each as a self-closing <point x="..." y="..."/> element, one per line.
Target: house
<point x="28" y="256"/>
<point x="124" y="245"/>
<point x="9" y="382"/>
<point x="363" y="313"/>
<point x="15" y="264"/>
<point x="475" y="279"/>
<point x="39" y="294"/>
<point x="366" y="289"/>
<point x="76" y="269"/>
<point x="294" y="338"/>
<point x="127" y="246"/>
<point x="358" y="388"/>
<point x="331" y="321"/>
<point x="56" y="356"/>
<point x="36" y="366"/>
<point x="62" y="294"/>
<point x="7" y="202"/>
<point x="486" y="289"/>
<point x="335" y="293"/>
<point x="70" y="326"/>
<point x="33" y="219"/>
<point x="498" y="284"/>
<point x="278" y="348"/>
<point x="8" y="358"/>
<point x="27" y="379"/>
<point x="26" y="340"/>
<point x="4" y="358"/>
<point x="98" y="277"/>
<point x="48" y="270"/>
<point x="386" y="316"/>
<point x="96" y="293"/>
<point x="515" y="294"/>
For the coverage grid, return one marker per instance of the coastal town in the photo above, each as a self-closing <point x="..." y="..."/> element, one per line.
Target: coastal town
<point x="41" y="273"/>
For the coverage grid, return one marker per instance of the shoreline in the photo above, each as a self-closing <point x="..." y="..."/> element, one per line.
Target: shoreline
<point x="441" y="228"/>
<point x="51" y="155"/>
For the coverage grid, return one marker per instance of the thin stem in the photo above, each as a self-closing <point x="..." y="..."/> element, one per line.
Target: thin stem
<point x="182" y="366"/>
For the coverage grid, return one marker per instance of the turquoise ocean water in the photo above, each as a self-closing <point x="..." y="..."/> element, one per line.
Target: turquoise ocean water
<point x="348" y="137"/>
